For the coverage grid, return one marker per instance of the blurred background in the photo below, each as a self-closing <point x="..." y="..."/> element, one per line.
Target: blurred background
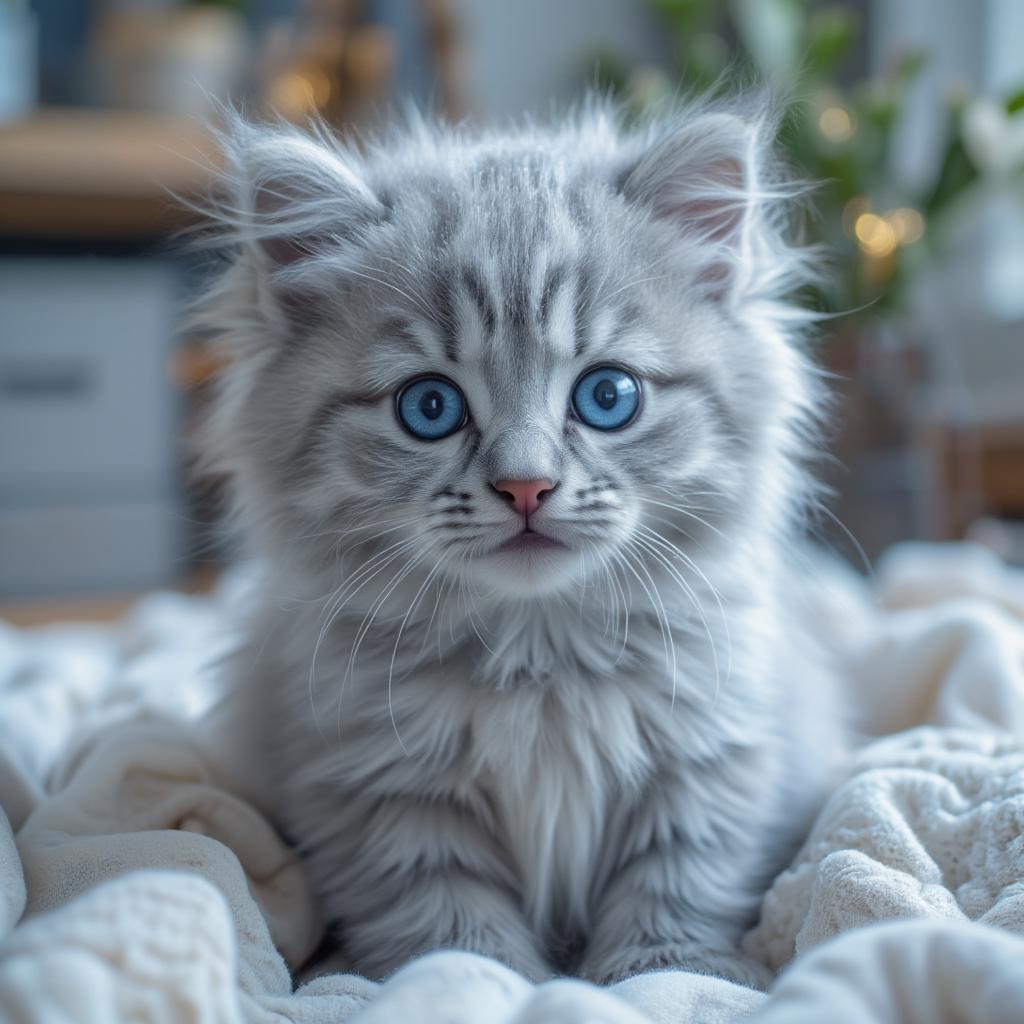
<point x="910" y="113"/>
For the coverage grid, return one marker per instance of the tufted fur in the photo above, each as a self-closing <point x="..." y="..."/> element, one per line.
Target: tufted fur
<point x="590" y="759"/>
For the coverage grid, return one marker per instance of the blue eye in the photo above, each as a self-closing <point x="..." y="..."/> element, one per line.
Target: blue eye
<point x="431" y="408"/>
<point x="606" y="398"/>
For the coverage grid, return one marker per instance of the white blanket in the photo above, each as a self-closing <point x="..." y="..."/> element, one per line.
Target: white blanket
<point x="135" y="886"/>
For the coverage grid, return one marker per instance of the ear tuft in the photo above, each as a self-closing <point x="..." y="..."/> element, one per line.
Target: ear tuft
<point x="701" y="175"/>
<point x="297" y="194"/>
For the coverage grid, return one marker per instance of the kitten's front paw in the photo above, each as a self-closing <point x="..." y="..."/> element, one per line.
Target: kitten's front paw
<point x="515" y="948"/>
<point x="680" y="956"/>
<point x="530" y="965"/>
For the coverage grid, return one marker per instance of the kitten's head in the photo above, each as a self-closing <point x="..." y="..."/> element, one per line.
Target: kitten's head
<point x="511" y="358"/>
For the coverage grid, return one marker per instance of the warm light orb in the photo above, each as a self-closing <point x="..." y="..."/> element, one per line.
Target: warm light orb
<point x="908" y="225"/>
<point x="835" y="124"/>
<point x="852" y="210"/>
<point x="875" y="235"/>
<point x="298" y="94"/>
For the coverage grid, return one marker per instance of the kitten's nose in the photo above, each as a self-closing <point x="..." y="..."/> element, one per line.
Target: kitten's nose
<point x="524" y="495"/>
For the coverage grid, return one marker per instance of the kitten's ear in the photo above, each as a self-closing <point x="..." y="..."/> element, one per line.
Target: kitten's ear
<point x="702" y="177"/>
<point x="298" y="196"/>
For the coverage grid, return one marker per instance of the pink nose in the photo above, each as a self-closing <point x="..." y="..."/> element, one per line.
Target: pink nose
<point x="524" y="495"/>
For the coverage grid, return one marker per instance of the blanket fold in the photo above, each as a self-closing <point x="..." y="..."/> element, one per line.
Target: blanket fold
<point x="12" y="880"/>
<point x="930" y="824"/>
<point x="147" y="784"/>
<point x="132" y="874"/>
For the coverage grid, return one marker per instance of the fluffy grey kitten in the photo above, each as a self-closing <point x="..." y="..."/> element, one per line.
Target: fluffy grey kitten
<point x="516" y="424"/>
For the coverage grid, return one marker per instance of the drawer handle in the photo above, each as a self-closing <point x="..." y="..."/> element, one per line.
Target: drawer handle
<point x="52" y="378"/>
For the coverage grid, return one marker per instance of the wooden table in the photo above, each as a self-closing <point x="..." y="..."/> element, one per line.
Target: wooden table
<point x="94" y="607"/>
<point x="979" y="473"/>
<point x="100" y="175"/>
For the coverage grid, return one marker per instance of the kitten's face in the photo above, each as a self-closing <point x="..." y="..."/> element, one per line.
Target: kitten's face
<point x="514" y="376"/>
<point x="524" y="438"/>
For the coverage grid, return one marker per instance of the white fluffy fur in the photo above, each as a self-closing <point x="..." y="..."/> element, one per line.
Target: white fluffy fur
<point x="590" y="759"/>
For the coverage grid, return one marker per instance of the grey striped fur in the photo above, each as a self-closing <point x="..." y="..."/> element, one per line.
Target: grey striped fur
<point x="587" y="760"/>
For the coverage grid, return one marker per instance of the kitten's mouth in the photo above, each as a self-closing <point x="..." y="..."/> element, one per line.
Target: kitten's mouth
<point x="530" y="540"/>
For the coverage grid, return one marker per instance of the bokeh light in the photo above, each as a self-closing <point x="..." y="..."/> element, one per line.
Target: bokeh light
<point x="836" y="124"/>
<point x="875" y="235"/>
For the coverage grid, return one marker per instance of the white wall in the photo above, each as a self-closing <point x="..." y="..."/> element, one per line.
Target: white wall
<point x="526" y="54"/>
<point x="971" y="308"/>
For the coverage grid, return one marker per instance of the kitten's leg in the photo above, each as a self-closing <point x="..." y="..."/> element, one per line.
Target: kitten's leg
<point x="424" y="876"/>
<point x="677" y="903"/>
<point x="644" y="926"/>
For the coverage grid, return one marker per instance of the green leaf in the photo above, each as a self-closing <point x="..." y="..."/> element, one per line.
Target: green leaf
<point x="1015" y="102"/>
<point x="831" y="34"/>
<point x="709" y="56"/>
<point x="909" y="66"/>
<point x="956" y="173"/>
<point x="687" y="15"/>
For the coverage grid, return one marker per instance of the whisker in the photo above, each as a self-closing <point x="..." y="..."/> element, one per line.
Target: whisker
<point x="414" y="299"/>
<point x="858" y="548"/>
<point x="696" y="569"/>
<point x="683" y="511"/>
<point x="365" y="567"/>
<point x="662" y="615"/>
<point x="627" y="608"/>
<point x="430" y="622"/>
<point x="694" y="600"/>
<point x="398" y="640"/>
<point x="367" y="624"/>
<point x="338" y="602"/>
<point x="619" y="609"/>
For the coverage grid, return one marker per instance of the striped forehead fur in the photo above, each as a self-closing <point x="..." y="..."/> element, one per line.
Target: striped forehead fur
<point x="532" y="182"/>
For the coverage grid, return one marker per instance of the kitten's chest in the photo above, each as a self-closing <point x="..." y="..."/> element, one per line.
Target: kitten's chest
<point x="553" y="766"/>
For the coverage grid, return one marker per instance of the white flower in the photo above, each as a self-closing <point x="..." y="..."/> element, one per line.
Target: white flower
<point x="994" y="140"/>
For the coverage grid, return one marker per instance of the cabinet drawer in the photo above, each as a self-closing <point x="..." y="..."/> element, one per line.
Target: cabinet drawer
<point x="84" y="395"/>
<point x="127" y="546"/>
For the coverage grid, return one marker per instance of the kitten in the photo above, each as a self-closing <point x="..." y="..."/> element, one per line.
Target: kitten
<point x="516" y="423"/>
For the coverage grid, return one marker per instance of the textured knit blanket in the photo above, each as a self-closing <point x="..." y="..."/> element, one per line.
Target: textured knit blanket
<point x="135" y="886"/>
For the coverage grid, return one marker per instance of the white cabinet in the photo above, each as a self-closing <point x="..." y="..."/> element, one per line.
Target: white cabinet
<point x="89" y="488"/>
